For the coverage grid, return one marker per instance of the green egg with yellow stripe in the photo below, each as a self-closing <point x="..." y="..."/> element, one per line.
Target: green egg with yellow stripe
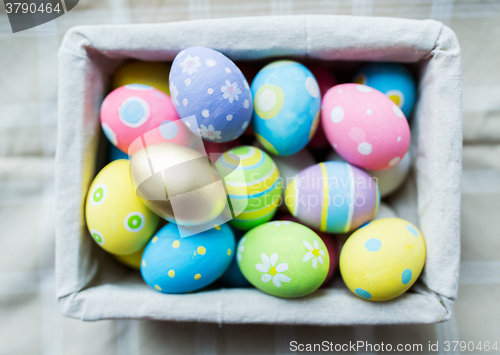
<point x="253" y="185"/>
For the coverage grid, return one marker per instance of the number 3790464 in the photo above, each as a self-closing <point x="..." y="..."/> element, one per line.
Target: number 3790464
<point x="25" y="7"/>
<point x="470" y="346"/>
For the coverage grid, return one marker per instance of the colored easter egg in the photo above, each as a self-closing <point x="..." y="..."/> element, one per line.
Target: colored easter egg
<point x="283" y="259"/>
<point x="365" y="127"/>
<point x="388" y="180"/>
<point x="206" y="84"/>
<point x="178" y="183"/>
<point x="333" y="197"/>
<point x="153" y="74"/>
<point x="286" y="107"/>
<point x="394" y="80"/>
<point x="132" y="260"/>
<point x="171" y="264"/>
<point x="325" y="81"/>
<point x="136" y="110"/>
<point x="233" y="276"/>
<point x="382" y="260"/>
<point x="253" y="183"/>
<point x="117" y="219"/>
<point x="331" y="247"/>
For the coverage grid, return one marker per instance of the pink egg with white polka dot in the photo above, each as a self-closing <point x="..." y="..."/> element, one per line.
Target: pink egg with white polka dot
<point x="136" y="110"/>
<point x="364" y="126"/>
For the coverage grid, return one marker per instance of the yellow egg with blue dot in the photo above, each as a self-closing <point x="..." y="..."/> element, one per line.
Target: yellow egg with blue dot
<point x="173" y="264"/>
<point x="154" y="74"/>
<point x="118" y="221"/>
<point x="383" y="259"/>
<point x="253" y="184"/>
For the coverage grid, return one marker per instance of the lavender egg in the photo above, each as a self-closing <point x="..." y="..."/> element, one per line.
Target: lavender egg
<point x="333" y="197"/>
<point x="206" y="84"/>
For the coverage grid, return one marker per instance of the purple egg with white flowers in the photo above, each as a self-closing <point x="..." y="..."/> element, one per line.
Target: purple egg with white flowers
<point x="204" y="83"/>
<point x="333" y="197"/>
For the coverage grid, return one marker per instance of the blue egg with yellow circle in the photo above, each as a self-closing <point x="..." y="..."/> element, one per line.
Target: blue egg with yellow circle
<point x="394" y="80"/>
<point x="287" y="104"/>
<point x="172" y="264"/>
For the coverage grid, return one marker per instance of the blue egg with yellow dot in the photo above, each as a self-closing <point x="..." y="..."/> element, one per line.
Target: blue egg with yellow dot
<point x="394" y="80"/>
<point x="287" y="103"/>
<point x="174" y="264"/>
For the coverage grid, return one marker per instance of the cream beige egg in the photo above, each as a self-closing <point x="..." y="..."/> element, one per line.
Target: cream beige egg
<point x="178" y="183"/>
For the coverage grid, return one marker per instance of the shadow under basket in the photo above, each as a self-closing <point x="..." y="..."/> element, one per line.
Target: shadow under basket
<point x="91" y="286"/>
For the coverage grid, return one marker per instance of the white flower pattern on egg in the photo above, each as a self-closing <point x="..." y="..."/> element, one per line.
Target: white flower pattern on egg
<point x="210" y="132"/>
<point x="190" y="65"/>
<point x="230" y="91"/>
<point x="314" y="253"/>
<point x="241" y="248"/>
<point x="174" y="92"/>
<point x="271" y="271"/>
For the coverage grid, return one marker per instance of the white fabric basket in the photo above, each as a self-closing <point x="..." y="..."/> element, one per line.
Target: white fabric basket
<point x="92" y="286"/>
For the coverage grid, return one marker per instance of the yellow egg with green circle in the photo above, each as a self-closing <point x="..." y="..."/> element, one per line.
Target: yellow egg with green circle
<point x="154" y="74"/>
<point x="253" y="184"/>
<point x="118" y="221"/>
<point x="383" y="259"/>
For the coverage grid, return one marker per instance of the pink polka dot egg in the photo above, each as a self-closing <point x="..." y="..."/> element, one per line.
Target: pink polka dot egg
<point x="365" y="127"/>
<point x="136" y="110"/>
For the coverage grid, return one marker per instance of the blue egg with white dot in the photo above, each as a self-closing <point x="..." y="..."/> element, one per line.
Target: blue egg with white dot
<point x="287" y="104"/>
<point x="172" y="263"/>
<point x="206" y="84"/>
<point x="394" y="80"/>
